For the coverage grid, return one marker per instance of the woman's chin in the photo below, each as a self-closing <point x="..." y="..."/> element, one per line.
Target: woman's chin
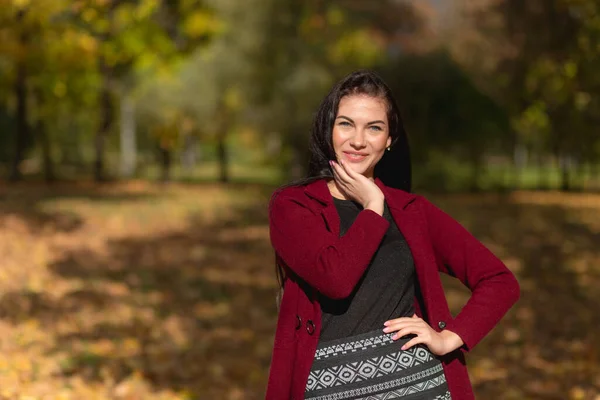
<point x="359" y="169"/>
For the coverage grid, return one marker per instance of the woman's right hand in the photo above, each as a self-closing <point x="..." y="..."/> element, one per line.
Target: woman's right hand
<point x="358" y="187"/>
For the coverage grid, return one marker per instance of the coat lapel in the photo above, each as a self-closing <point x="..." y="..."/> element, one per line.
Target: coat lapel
<point x="319" y="191"/>
<point x="408" y="218"/>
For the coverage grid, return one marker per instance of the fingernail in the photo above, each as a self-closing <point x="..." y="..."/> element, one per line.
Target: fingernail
<point x="386" y="330"/>
<point x="386" y="323"/>
<point x="403" y="348"/>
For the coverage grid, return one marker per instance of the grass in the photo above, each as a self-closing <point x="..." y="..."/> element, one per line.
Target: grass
<point x="147" y="291"/>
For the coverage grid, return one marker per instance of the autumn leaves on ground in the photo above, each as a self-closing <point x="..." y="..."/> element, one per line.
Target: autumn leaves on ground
<point x="143" y="291"/>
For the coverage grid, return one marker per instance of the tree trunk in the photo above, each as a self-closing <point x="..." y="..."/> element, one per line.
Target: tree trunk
<point x="595" y="175"/>
<point x="565" y="184"/>
<point x="106" y="117"/>
<point x="165" y="163"/>
<point x="477" y="167"/>
<point x="22" y="132"/>
<point x="189" y="156"/>
<point x="46" y="144"/>
<point x="299" y="158"/>
<point x="128" y="139"/>
<point x="223" y="157"/>
<point x="519" y="163"/>
<point x="41" y="134"/>
<point x="543" y="176"/>
<point x="224" y="124"/>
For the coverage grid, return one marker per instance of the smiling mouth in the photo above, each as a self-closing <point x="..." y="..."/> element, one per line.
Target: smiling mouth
<point x="355" y="157"/>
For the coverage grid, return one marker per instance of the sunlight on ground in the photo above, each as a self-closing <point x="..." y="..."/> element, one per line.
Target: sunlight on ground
<point x="143" y="291"/>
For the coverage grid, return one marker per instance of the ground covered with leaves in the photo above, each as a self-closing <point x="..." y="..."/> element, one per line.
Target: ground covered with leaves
<point x="143" y="291"/>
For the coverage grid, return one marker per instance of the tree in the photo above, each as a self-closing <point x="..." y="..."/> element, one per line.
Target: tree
<point x="541" y="73"/>
<point x="310" y="45"/>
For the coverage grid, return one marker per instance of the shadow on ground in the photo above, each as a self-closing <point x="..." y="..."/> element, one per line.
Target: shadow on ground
<point x="546" y="348"/>
<point x="194" y="310"/>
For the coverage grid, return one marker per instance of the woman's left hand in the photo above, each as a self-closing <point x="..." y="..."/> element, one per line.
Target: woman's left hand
<point x="439" y="343"/>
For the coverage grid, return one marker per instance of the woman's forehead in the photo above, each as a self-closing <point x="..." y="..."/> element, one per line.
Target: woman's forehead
<point x="363" y="105"/>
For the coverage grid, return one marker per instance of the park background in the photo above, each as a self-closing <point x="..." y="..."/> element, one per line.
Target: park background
<point x="140" y="141"/>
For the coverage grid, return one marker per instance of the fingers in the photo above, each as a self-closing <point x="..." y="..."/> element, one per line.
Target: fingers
<point x="412" y="328"/>
<point x="402" y="324"/>
<point x="339" y="173"/>
<point x="349" y="171"/>
<point x="405" y="326"/>
<point x="341" y="182"/>
<point x="412" y="342"/>
<point x="402" y="319"/>
<point x="409" y="330"/>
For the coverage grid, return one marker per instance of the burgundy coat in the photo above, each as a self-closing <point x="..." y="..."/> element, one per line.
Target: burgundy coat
<point x="304" y="230"/>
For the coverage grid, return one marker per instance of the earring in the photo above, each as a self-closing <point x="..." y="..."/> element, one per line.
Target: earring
<point x="389" y="148"/>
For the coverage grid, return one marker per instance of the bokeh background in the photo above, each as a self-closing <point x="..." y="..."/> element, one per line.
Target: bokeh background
<point x="140" y="141"/>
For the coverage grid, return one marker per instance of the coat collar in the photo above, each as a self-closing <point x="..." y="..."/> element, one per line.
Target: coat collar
<point x="395" y="198"/>
<point x="409" y="222"/>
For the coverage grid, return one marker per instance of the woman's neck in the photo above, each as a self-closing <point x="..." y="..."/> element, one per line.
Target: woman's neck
<point x="336" y="191"/>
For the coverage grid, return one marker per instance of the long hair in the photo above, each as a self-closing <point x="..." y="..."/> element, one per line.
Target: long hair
<point x="394" y="168"/>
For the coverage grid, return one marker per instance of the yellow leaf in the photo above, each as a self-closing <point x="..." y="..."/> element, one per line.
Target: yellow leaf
<point x="202" y="23"/>
<point x="60" y="89"/>
<point x="89" y="14"/>
<point x="21" y="3"/>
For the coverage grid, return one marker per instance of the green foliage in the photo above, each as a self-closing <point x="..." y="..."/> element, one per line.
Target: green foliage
<point x="219" y="70"/>
<point x="442" y="107"/>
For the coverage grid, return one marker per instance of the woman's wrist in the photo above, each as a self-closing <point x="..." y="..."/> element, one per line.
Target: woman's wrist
<point x="451" y="341"/>
<point x="376" y="206"/>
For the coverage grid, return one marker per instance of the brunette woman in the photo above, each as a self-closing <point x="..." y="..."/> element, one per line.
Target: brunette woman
<point x="363" y="313"/>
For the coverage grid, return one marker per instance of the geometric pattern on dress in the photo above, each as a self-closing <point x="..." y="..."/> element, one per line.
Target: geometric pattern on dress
<point x="445" y="396"/>
<point x="391" y="385"/>
<point x="352" y="347"/>
<point x="363" y="370"/>
<point x="413" y="389"/>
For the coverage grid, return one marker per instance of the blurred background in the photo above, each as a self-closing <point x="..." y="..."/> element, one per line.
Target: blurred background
<point x="140" y="141"/>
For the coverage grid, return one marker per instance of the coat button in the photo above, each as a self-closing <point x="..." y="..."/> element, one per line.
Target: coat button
<point x="298" y="322"/>
<point x="441" y="324"/>
<point x="310" y="327"/>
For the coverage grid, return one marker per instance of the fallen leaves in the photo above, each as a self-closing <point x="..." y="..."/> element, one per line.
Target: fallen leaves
<point x="141" y="291"/>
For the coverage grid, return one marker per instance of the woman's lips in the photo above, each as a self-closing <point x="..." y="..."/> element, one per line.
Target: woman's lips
<point x="354" y="157"/>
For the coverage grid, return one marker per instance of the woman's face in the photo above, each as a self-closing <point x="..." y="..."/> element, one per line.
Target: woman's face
<point x="361" y="132"/>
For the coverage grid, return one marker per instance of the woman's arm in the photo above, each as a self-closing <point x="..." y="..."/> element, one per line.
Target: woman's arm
<point x="494" y="287"/>
<point x="332" y="265"/>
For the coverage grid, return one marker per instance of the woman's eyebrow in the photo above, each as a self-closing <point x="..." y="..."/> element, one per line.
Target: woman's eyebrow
<point x="370" y="123"/>
<point x="344" y="117"/>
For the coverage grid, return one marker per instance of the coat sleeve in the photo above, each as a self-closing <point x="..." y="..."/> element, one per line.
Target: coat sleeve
<point x="494" y="288"/>
<point x="330" y="264"/>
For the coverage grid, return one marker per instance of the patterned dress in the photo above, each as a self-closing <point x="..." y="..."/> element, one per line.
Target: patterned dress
<point x="355" y="359"/>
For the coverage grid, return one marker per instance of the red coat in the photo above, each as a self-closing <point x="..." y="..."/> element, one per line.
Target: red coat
<point x="304" y="229"/>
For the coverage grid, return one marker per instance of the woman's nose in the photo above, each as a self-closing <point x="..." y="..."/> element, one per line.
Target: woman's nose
<point x="358" y="139"/>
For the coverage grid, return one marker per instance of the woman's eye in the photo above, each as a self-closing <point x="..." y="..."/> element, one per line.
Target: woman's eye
<point x="344" y="123"/>
<point x="375" y="128"/>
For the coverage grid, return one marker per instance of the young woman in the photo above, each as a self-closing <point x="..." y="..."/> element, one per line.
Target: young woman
<point x="363" y="313"/>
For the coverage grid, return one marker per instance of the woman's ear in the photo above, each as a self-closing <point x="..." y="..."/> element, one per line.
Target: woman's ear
<point x="388" y="143"/>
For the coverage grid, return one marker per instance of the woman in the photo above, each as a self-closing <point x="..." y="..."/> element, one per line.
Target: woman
<point x="363" y="314"/>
